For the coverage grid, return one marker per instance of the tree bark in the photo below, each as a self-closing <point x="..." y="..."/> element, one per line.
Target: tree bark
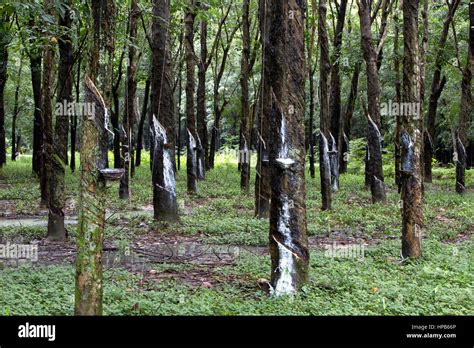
<point x="72" y="163"/>
<point x="219" y="109"/>
<point x="335" y="94"/>
<point x="311" y="67"/>
<point x="141" y="124"/>
<point x="374" y="139"/>
<point x="47" y="115"/>
<point x="57" y="199"/>
<point x="437" y="85"/>
<point x="162" y="104"/>
<point x="91" y="208"/>
<point x="262" y="170"/>
<point x="191" y="164"/>
<point x="203" y="151"/>
<point x="35" y="67"/>
<point x="465" y="111"/>
<point x="245" y="124"/>
<point x="16" y="110"/>
<point x="285" y="74"/>
<point x="4" y="41"/>
<point x="116" y="112"/>
<point x="398" y="99"/>
<point x="324" y="70"/>
<point x="345" y="135"/>
<point x="411" y="138"/>
<point x="130" y="106"/>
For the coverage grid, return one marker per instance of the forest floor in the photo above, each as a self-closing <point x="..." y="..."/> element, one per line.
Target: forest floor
<point x="210" y="262"/>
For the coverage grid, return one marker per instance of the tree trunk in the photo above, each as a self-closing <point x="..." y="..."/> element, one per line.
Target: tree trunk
<point x="72" y="163"/>
<point x="374" y="138"/>
<point x="91" y="209"/>
<point x="335" y="94"/>
<point x="4" y="41"/>
<point x="437" y="85"/>
<point x="203" y="151"/>
<point x="180" y="97"/>
<point x="345" y="135"/>
<point x="245" y="125"/>
<point x="465" y="110"/>
<point x="16" y="110"/>
<point x="109" y="11"/>
<point x="411" y="138"/>
<point x="94" y="54"/>
<point x="191" y="164"/>
<point x="139" y="145"/>
<point x="129" y="115"/>
<point x="285" y="74"/>
<point x="47" y="115"/>
<point x="215" y="130"/>
<point x="219" y="110"/>
<point x="116" y="111"/>
<point x="162" y="103"/>
<point x="398" y="99"/>
<point x="262" y="171"/>
<point x="35" y="67"/>
<point x="324" y="70"/>
<point x="311" y="67"/>
<point x="162" y="96"/>
<point x="164" y="183"/>
<point x="57" y="199"/>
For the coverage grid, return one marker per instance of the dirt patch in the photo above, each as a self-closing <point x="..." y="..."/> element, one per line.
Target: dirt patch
<point x="343" y="238"/>
<point x="7" y="208"/>
<point x="462" y="237"/>
<point x="205" y="278"/>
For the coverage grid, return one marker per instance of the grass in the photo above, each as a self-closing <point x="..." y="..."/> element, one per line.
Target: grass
<point x="440" y="283"/>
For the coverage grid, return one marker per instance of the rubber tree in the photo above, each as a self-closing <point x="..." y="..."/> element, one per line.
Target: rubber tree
<point x="262" y="172"/>
<point x="47" y="113"/>
<point x="285" y="74"/>
<point x="346" y="117"/>
<point x="130" y="102"/>
<point x="335" y="95"/>
<point x="16" y="110"/>
<point x="57" y="199"/>
<point x="374" y="138"/>
<point x="205" y="59"/>
<point x="398" y="94"/>
<point x="437" y="86"/>
<point x="74" y="118"/>
<point x="35" y="53"/>
<point x="245" y="121"/>
<point x="324" y="70"/>
<point x="411" y="138"/>
<point x="91" y="208"/>
<point x="4" y="41"/>
<point x="311" y="26"/>
<point x="141" y="123"/>
<point x="218" y="75"/>
<point x="163" y="108"/>
<point x="465" y="112"/>
<point x="203" y="150"/>
<point x="191" y="163"/>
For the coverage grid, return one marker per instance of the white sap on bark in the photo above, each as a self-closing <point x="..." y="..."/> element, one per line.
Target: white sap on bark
<point x="286" y="266"/>
<point x="333" y="159"/>
<point x="107" y="121"/>
<point x="192" y="148"/>
<point x="379" y="136"/>
<point x="168" y="172"/>
<point x="325" y="155"/>
<point x="200" y="165"/>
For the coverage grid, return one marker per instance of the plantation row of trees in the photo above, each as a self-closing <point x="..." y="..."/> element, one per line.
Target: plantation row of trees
<point x="125" y="73"/>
